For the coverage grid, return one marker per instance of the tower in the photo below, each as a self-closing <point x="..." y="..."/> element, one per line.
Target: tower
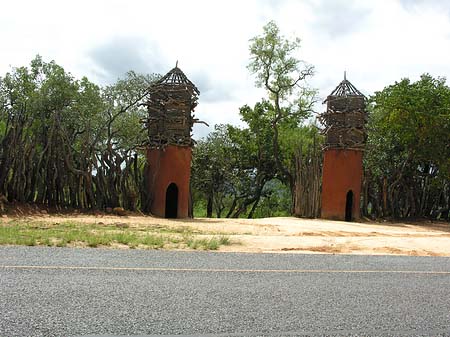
<point x="344" y="122"/>
<point x="171" y="103"/>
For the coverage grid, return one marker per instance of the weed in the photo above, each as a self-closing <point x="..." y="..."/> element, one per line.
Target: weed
<point x="192" y="243"/>
<point x="47" y="242"/>
<point x="30" y="241"/>
<point x="175" y="239"/>
<point x="207" y="244"/>
<point x="224" y="240"/>
<point x="155" y="241"/>
<point x="61" y="243"/>
<point x="212" y="244"/>
<point x="125" y="238"/>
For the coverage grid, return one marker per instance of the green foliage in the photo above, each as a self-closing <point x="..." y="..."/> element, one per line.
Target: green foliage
<point x="414" y="118"/>
<point x="273" y="62"/>
<point x="283" y="75"/>
<point x="123" y="111"/>
<point x="276" y="200"/>
<point x="235" y="167"/>
<point x="212" y="167"/>
<point x="409" y="147"/>
<point x="69" y="142"/>
<point x="66" y="142"/>
<point x="278" y="71"/>
<point x="231" y="166"/>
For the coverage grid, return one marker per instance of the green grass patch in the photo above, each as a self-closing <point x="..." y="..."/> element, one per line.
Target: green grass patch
<point x="153" y="241"/>
<point x="31" y="233"/>
<point x="208" y="244"/>
<point x="13" y="235"/>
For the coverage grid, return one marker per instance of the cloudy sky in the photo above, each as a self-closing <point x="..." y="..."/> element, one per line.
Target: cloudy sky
<point x="377" y="42"/>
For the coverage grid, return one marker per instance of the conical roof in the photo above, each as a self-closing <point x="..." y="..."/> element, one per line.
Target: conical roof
<point x="345" y="89"/>
<point x="175" y="78"/>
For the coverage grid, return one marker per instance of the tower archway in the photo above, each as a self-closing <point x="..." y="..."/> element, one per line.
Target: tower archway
<point x="171" y="201"/>
<point x="349" y="206"/>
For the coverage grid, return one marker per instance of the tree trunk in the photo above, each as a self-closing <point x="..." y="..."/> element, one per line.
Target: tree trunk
<point x="209" y="206"/>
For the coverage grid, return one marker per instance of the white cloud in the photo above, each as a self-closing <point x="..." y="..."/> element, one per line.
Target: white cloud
<point x="377" y="42"/>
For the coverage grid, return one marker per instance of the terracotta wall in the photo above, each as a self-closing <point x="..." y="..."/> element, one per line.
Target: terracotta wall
<point x="172" y="165"/>
<point x="342" y="171"/>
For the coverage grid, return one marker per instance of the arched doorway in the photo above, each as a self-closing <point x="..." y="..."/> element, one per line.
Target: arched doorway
<point x="171" y="201"/>
<point x="349" y="206"/>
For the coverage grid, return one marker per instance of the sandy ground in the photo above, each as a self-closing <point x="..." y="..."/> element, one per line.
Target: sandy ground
<point x="295" y="235"/>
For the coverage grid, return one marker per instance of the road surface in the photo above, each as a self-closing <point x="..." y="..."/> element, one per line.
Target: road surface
<point x="96" y="292"/>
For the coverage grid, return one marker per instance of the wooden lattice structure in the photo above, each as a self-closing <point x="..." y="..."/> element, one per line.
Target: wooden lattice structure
<point x="345" y="129"/>
<point x="171" y="104"/>
<point x="345" y="118"/>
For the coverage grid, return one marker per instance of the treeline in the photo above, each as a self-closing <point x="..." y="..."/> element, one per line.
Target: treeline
<point x="249" y="171"/>
<point x="407" y="161"/>
<point x="234" y="173"/>
<point x="70" y="143"/>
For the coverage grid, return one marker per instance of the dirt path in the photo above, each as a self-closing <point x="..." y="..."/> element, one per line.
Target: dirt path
<point x="298" y="235"/>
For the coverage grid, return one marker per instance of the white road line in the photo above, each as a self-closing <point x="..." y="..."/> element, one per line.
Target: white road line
<point x="219" y="270"/>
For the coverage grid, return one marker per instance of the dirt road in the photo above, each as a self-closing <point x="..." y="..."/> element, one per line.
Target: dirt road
<point x="300" y="235"/>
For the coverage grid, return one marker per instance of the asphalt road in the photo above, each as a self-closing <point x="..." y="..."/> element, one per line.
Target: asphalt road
<point x="95" y="292"/>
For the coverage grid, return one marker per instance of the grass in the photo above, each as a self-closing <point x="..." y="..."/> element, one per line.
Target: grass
<point x="69" y="233"/>
<point x="154" y="241"/>
<point x="208" y="243"/>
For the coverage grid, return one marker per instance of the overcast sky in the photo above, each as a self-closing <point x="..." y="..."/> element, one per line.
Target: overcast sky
<point x="377" y="42"/>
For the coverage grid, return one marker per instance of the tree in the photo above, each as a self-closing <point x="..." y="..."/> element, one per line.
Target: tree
<point x="254" y="159"/>
<point x="41" y="113"/>
<point x="408" y="152"/>
<point x="212" y="168"/>
<point x="230" y="168"/>
<point x="235" y="170"/>
<point x="120" y="164"/>
<point x="68" y="142"/>
<point x="283" y="76"/>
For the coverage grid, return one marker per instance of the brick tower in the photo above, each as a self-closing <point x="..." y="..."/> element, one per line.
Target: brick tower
<point x="171" y="103"/>
<point x="344" y="122"/>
